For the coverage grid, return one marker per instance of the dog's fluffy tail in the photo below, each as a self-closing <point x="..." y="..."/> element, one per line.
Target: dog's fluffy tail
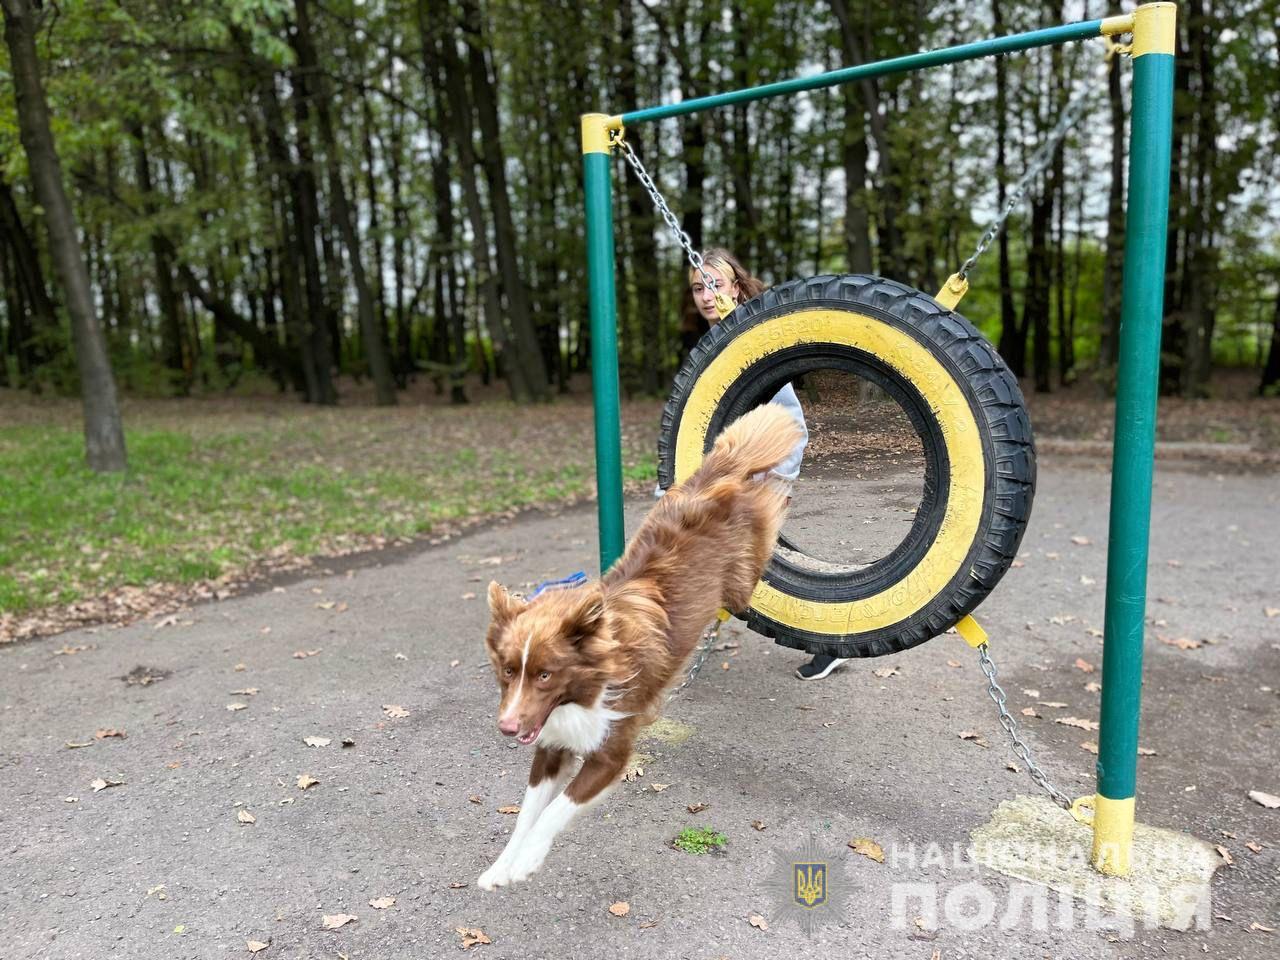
<point x="754" y="443"/>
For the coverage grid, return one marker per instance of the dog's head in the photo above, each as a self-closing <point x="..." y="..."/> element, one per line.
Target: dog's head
<point x="542" y="654"/>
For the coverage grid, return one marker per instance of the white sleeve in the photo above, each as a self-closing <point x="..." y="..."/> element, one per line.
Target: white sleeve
<point x="789" y="469"/>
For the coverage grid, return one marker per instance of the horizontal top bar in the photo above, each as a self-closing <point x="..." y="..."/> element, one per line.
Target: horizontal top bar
<point x="916" y="61"/>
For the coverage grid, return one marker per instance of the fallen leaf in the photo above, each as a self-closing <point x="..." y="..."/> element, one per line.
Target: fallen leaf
<point x="1271" y="612"/>
<point x="381" y="903"/>
<point x="326" y="605"/>
<point x="1225" y="854"/>
<point x="257" y="946"/>
<point x="394" y="711"/>
<point x="658" y="787"/>
<point x="620" y="909"/>
<point x="157" y="889"/>
<point x="974" y="736"/>
<point x="1146" y="752"/>
<point x="1033" y="694"/>
<point x="758" y="922"/>
<point x="70" y="799"/>
<point x="457" y="885"/>
<point x="306" y="781"/>
<point x="236" y="706"/>
<point x="108" y="732"/>
<point x="1093" y="686"/>
<point x="759" y="825"/>
<point x="868" y="848"/>
<point x="1083" y="664"/>
<point x="469" y="595"/>
<point x="1182" y="643"/>
<point x="336" y="920"/>
<point x="1029" y="712"/>
<point x="244" y="816"/>
<point x="1056" y="704"/>
<point x="471" y="936"/>
<point x="1257" y="926"/>
<point x="303" y="654"/>
<point x="239" y="668"/>
<point x="1077" y="722"/>
<point x="341" y="607"/>
<point x="1080" y="541"/>
<point x="1094" y="632"/>
<point x="101" y="784"/>
<point x="401" y="656"/>
<point x="1091" y="746"/>
<point x="1087" y="581"/>
<point x="1255" y="847"/>
<point x="885" y="672"/>
<point x="725" y="665"/>
<point x="1010" y="765"/>
<point x="474" y="798"/>
<point x="510" y="808"/>
<point x="1270" y="801"/>
<point x="246" y="692"/>
<point x="317" y="741"/>
<point x="72" y="745"/>
<point x="454" y="663"/>
<point x="954" y="664"/>
<point x="697" y="807"/>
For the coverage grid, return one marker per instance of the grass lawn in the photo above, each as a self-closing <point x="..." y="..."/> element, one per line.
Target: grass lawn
<point x="215" y="485"/>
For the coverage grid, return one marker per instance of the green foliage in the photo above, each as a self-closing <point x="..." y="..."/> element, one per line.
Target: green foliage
<point x="700" y="840"/>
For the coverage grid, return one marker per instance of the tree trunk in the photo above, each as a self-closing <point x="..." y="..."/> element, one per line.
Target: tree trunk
<point x="370" y="328"/>
<point x="444" y="72"/>
<point x="641" y="223"/>
<point x="306" y="237"/>
<point x="31" y="296"/>
<point x="170" y="306"/>
<point x="484" y="93"/>
<point x="1271" y="372"/>
<point x="104" y="435"/>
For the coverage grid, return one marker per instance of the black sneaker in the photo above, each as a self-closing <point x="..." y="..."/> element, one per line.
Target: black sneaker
<point x="819" y="667"/>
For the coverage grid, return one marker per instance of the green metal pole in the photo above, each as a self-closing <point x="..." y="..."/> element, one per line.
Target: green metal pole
<point x="1134" y="451"/>
<point x="917" y="61"/>
<point x="604" y="335"/>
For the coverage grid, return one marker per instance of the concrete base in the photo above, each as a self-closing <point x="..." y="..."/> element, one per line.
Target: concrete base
<point x="1033" y="839"/>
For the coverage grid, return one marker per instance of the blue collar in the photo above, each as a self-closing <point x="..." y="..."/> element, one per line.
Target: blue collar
<point x="564" y="583"/>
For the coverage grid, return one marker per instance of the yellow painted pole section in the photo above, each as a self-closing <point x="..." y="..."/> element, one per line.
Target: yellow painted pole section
<point x="1154" y="32"/>
<point x="1155" y="27"/>
<point x="595" y="131"/>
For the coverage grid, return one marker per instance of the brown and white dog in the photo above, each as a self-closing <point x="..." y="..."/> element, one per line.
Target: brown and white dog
<point x="583" y="670"/>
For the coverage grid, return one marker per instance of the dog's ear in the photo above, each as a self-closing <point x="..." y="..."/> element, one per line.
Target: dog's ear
<point x="586" y="617"/>
<point x="502" y="605"/>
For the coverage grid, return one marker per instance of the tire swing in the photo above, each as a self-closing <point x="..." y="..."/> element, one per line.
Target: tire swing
<point x="961" y="399"/>
<point x="965" y="406"/>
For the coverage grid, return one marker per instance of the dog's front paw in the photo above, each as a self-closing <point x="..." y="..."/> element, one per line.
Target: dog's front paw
<point x="525" y="864"/>
<point x="496" y="876"/>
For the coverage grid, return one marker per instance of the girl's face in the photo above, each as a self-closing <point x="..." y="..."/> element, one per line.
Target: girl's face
<point x="705" y="297"/>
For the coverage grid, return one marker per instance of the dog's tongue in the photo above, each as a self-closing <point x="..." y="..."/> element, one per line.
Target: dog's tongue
<point x="532" y="735"/>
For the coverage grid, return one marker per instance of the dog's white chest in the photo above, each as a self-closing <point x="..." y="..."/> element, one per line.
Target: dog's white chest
<point x="580" y="729"/>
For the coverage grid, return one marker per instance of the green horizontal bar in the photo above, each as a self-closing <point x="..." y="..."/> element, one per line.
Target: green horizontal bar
<point x="916" y="61"/>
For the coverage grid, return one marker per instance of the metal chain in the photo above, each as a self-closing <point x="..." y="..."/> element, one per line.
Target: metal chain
<point x="997" y="694"/>
<point x="708" y="638"/>
<point x="1039" y="161"/>
<point x="682" y="238"/>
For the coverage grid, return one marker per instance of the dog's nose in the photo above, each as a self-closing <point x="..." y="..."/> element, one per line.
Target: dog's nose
<point x="508" y="726"/>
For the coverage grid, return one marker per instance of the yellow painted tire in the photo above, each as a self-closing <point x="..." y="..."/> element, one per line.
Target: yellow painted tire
<point x="966" y="407"/>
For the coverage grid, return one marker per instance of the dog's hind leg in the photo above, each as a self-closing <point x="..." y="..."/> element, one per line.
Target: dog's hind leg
<point x="549" y="773"/>
<point x="600" y="771"/>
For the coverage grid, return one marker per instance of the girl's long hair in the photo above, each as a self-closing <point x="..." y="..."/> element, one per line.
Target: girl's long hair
<point x="724" y="261"/>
